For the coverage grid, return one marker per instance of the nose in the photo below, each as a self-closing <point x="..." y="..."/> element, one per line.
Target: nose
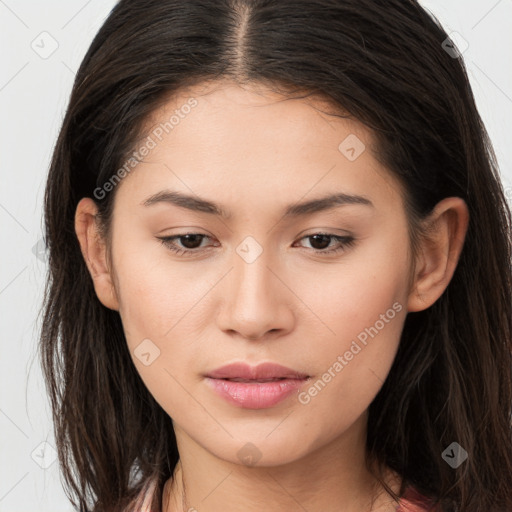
<point x="257" y="303"/>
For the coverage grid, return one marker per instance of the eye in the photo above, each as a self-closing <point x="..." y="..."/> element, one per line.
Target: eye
<point x="324" y="239"/>
<point x="191" y="242"/>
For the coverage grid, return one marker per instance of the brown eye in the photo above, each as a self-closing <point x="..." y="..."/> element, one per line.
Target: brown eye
<point x="320" y="241"/>
<point x="189" y="242"/>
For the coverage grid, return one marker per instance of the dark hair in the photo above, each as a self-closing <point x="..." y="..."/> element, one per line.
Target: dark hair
<point x="385" y="64"/>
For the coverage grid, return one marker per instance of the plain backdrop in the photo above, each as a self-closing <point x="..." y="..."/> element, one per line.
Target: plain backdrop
<point x="35" y="83"/>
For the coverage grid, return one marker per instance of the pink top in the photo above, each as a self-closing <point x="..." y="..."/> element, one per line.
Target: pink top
<point x="405" y="505"/>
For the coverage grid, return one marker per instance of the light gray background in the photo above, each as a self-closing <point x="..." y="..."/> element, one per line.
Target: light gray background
<point x="33" y="96"/>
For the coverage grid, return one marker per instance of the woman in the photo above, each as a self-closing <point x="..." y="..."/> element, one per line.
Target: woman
<point x="202" y="349"/>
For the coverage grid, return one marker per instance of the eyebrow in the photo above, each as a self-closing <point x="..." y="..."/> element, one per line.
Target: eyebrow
<point x="294" y="210"/>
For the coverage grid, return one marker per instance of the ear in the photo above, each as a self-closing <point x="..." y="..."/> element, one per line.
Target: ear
<point x="94" y="252"/>
<point x="439" y="252"/>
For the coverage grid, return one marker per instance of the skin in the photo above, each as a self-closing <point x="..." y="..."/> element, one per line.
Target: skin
<point x="254" y="154"/>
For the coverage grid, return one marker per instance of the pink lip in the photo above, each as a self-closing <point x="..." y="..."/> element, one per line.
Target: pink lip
<point x="253" y="394"/>
<point x="261" y="371"/>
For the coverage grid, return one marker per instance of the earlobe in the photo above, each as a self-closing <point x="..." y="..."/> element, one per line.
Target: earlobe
<point x="439" y="253"/>
<point x="94" y="252"/>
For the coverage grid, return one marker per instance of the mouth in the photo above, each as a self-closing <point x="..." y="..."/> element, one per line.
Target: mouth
<point x="259" y="387"/>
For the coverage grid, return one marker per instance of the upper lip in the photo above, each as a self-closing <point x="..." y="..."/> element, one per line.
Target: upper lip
<point x="261" y="371"/>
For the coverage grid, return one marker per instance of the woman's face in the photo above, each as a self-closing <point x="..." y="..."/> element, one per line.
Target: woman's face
<point x="257" y="286"/>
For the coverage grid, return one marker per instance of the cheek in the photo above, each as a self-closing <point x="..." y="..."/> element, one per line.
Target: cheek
<point x="350" y="295"/>
<point x="163" y="317"/>
<point x="363" y="308"/>
<point x="153" y="303"/>
<point x="155" y="295"/>
<point x="351" y="367"/>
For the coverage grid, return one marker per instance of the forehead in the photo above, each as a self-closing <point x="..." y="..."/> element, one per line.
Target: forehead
<point x="246" y="110"/>
<point x="249" y="143"/>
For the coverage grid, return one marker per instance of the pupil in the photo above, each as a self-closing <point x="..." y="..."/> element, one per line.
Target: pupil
<point x="316" y="237"/>
<point x="187" y="240"/>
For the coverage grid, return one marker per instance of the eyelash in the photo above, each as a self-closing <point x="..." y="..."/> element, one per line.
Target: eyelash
<point x="345" y="241"/>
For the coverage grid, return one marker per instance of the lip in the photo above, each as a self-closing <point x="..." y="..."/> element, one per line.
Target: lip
<point x="262" y="371"/>
<point x="252" y="394"/>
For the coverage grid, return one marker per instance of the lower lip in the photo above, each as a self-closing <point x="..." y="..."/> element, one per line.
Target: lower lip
<point x="255" y="395"/>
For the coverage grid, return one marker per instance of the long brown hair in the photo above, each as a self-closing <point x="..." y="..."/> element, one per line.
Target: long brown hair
<point x="385" y="63"/>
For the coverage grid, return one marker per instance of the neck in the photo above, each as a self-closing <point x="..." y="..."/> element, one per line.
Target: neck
<point x="318" y="482"/>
